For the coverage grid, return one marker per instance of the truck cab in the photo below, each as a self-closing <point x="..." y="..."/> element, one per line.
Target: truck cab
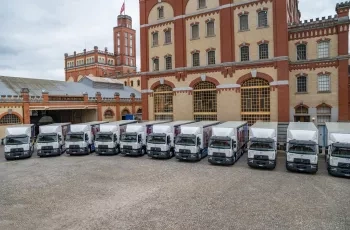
<point x="161" y="143"/>
<point x="302" y="147"/>
<point x="192" y="143"/>
<point x="228" y="142"/>
<point x="262" y="150"/>
<point x="338" y="157"/>
<point x="19" y="142"/>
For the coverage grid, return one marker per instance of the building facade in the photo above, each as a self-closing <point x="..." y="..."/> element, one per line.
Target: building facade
<point x="243" y="60"/>
<point x="102" y="63"/>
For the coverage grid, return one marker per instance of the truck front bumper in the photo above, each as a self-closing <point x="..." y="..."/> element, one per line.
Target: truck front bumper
<point x="220" y="160"/>
<point x="309" y="168"/>
<point x="158" y="154"/>
<point x="48" y="152"/>
<point x="81" y="151"/>
<point x="100" y="151"/>
<point x="254" y="163"/>
<point x="17" y="155"/>
<point x="186" y="156"/>
<point x="130" y="152"/>
<point x="337" y="171"/>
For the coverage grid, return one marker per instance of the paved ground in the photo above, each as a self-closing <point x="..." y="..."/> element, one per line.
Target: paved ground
<point x="94" y="192"/>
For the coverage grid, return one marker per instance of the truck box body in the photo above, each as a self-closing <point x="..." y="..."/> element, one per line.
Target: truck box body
<point x="134" y="140"/>
<point x="80" y="139"/>
<point x="262" y="151"/>
<point x="228" y="142"/>
<point x="192" y="142"/>
<point x="338" y="157"/>
<point x="161" y="143"/>
<point x="108" y="138"/>
<point x="19" y="142"/>
<point x="302" y="147"/>
<point x="51" y="139"/>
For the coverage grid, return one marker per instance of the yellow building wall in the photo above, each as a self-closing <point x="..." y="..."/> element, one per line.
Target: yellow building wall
<point x="161" y="50"/>
<point x="104" y="109"/>
<point x="229" y="105"/>
<point x="150" y="107"/>
<point x="4" y="110"/>
<point x="254" y="34"/>
<point x="183" y="106"/>
<point x="153" y="15"/>
<point x="129" y="108"/>
<point x="203" y="42"/>
<point x="274" y="105"/>
<point x="312" y="47"/>
<point x="192" y="6"/>
<point x="89" y="115"/>
<point x="70" y="79"/>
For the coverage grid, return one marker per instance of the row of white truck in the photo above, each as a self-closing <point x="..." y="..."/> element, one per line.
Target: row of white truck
<point x="223" y="142"/>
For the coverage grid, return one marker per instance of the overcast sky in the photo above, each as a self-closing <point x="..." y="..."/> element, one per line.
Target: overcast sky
<point x="34" y="35"/>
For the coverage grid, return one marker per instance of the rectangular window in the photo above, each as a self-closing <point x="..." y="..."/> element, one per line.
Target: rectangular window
<point x="126" y="61"/>
<point x="210" y="29"/>
<point x="243" y="23"/>
<point x="126" y="51"/>
<point x="167" y="37"/>
<point x="156" y="64"/>
<point x="323" y="49"/>
<point x="324" y="83"/>
<point x="161" y="12"/>
<point x="130" y="41"/>
<point x="302" y="84"/>
<point x="195" y="59"/>
<point x="118" y="41"/>
<point x="130" y="51"/>
<point x="118" y="52"/>
<point x="301" y="52"/>
<point x="168" y="63"/>
<point x="131" y="62"/>
<point x="263" y="51"/>
<point x="202" y="4"/>
<point x="262" y="19"/>
<point x="245" y="53"/>
<point x="195" y="31"/>
<point x="211" y="58"/>
<point x="155" y="39"/>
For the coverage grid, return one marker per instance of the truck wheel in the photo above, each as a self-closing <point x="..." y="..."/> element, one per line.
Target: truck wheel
<point x="234" y="159"/>
<point x="90" y="151"/>
<point x="118" y="150"/>
<point x="142" y="151"/>
<point x="171" y="153"/>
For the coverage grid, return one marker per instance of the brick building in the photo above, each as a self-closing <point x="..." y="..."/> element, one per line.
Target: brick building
<point x="243" y="60"/>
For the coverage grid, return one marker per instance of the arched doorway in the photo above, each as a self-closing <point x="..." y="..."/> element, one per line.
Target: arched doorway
<point x="205" y="101"/>
<point x="125" y="113"/>
<point x="255" y="100"/>
<point x="163" y="102"/>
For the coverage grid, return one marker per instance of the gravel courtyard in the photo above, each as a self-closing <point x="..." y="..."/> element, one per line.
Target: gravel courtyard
<point x="99" y="192"/>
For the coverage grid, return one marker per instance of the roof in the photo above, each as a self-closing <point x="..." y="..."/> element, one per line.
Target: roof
<point x="302" y="126"/>
<point x="104" y="80"/>
<point x="13" y="86"/>
<point x="231" y="124"/>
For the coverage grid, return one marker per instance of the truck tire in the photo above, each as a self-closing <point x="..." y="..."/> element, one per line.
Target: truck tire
<point x="143" y="151"/>
<point x="117" y="149"/>
<point x="234" y="159"/>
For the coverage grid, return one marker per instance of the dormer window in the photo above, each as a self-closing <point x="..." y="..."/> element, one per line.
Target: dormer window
<point x="202" y="4"/>
<point x="160" y="12"/>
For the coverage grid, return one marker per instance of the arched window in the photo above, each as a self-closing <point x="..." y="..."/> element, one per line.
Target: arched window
<point x="205" y="101"/>
<point x="323" y="113"/>
<point x="109" y="114"/>
<point x="301" y="52"/>
<point x="10" y="119"/>
<point x="139" y="111"/>
<point x="301" y="114"/>
<point x="255" y="100"/>
<point x="125" y="112"/>
<point x="163" y="103"/>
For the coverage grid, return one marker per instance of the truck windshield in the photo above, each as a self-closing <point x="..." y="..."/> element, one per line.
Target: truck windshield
<point x="75" y="137"/>
<point x="186" y="140"/>
<point x="262" y="146"/>
<point x="129" y="137"/>
<point x="157" y="139"/>
<point x="341" y="152"/>
<point x="47" y="138"/>
<point x="17" y="140"/>
<point x="302" y="149"/>
<point x="104" y="137"/>
<point x="220" y="143"/>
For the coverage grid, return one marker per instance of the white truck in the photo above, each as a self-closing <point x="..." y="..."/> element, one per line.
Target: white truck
<point x="51" y="139"/>
<point x="228" y="142"/>
<point x="338" y="157"/>
<point x="161" y="143"/>
<point x="302" y="147"/>
<point x="80" y="139"/>
<point x="133" y="142"/>
<point x="107" y="140"/>
<point x="262" y="150"/>
<point x="19" y="142"/>
<point x="192" y="143"/>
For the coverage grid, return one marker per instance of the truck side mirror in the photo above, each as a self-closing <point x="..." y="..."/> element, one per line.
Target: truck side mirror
<point x="139" y="138"/>
<point x="59" y="138"/>
<point x="168" y="140"/>
<point x="115" y="137"/>
<point x="86" y="137"/>
<point x="2" y="141"/>
<point x="198" y="141"/>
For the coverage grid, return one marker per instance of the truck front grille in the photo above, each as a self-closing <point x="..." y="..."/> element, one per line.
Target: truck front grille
<point x="46" y="147"/>
<point x="184" y="151"/>
<point x="344" y="165"/>
<point x="127" y="147"/>
<point x="219" y="154"/>
<point x="301" y="161"/>
<point x="16" y="150"/>
<point x="103" y="146"/>
<point x="74" y="147"/>
<point x="261" y="157"/>
<point x="157" y="149"/>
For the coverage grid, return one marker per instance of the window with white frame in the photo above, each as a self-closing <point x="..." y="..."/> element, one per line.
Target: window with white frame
<point x="131" y="62"/>
<point x="324" y="113"/>
<point x="130" y="51"/>
<point x="118" y="50"/>
<point x="202" y="4"/>
<point x="126" y="61"/>
<point x="126" y="50"/>
<point x="211" y="57"/>
<point x="168" y="63"/>
<point x="155" y="39"/>
<point x="195" y="31"/>
<point x="195" y="59"/>
<point x="323" y="49"/>
<point x="323" y="82"/>
<point x="262" y="19"/>
<point x="264" y="51"/>
<point x="160" y="12"/>
<point x="155" y="64"/>
<point x="130" y="41"/>
<point x="167" y="35"/>
<point x="210" y="29"/>
<point x="301" y="52"/>
<point x="243" y="22"/>
<point x="245" y="53"/>
<point x="118" y="41"/>
<point x="302" y="84"/>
